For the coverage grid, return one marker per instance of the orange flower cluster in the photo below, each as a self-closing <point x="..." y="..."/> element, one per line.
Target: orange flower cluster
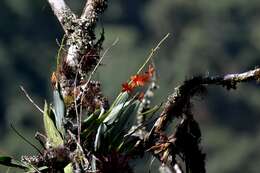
<point x="138" y="80"/>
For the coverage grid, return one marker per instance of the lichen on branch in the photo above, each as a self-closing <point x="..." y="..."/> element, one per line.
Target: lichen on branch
<point x="80" y="51"/>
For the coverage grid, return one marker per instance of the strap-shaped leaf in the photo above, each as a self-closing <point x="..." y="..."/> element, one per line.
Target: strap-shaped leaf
<point x="91" y="124"/>
<point x="10" y="162"/>
<point x="94" y="163"/>
<point x="121" y="127"/>
<point x="33" y="169"/>
<point x="121" y="98"/>
<point x="128" y="117"/>
<point x="113" y="114"/>
<point x="100" y="134"/>
<point x="59" y="110"/>
<point x="68" y="168"/>
<point x="51" y="131"/>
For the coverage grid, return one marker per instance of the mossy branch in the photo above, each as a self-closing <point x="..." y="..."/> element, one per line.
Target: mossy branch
<point x="178" y="101"/>
<point x="185" y="140"/>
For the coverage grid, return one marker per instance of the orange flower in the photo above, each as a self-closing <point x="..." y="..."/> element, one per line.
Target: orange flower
<point x="139" y="80"/>
<point x="127" y="87"/>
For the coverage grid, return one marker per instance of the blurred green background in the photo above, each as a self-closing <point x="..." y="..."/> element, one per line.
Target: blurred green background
<point x="207" y="37"/>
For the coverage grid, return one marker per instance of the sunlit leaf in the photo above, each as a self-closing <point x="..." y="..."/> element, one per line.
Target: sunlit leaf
<point x="100" y="134"/>
<point x="68" y="168"/>
<point x="52" y="133"/>
<point x="90" y="119"/>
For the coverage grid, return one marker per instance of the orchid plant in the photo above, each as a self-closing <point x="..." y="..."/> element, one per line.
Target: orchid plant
<point x="84" y="133"/>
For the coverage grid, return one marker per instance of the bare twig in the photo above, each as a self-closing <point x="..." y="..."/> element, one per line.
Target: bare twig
<point x="83" y="88"/>
<point x="79" y="152"/>
<point x="30" y="99"/>
<point x="152" y="53"/>
<point x="100" y="60"/>
<point x="26" y="140"/>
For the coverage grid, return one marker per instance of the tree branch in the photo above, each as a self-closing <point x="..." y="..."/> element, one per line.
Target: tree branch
<point x="178" y="101"/>
<point x="61" y="10"/>
<point x="81" y="51"/>
<point x="185" y="140"/>
<point x="80" y="32"/>
<point x="92" y="9"/>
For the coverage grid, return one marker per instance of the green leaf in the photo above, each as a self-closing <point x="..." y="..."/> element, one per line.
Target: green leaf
<point x="59" y="110"/>
<point x="129" y="116"/>
<point x="113" y="114"/>
<point x="151" y="110"/>
<point x="115" y="125"/>
<point x="33" y="169"/>
<point x="51" y="131"/>
<point x="100" y="134"/>
<point x="128" y="144"/>
<point x="92" y="118"/>
<point x="91" y="124"/>
<point x="68" y="168"/>
<point x="121" y="98"/>
<point x="124" y="123"/>
<point x="10" y="162"/>
<point x="94" y="164"/>
<point x="88" y="121"/>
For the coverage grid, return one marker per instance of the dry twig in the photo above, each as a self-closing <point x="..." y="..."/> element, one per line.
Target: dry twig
<point x="30" y="99"/>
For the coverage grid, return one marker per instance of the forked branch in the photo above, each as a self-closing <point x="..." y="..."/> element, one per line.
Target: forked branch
<point x="79" y="30"/>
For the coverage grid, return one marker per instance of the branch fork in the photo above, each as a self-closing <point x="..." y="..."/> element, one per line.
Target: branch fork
<point x="79" y="31"/>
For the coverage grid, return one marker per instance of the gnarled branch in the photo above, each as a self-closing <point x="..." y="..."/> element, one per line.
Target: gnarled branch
<point x="182" y="95"/>
<point x="185" y="140"/>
